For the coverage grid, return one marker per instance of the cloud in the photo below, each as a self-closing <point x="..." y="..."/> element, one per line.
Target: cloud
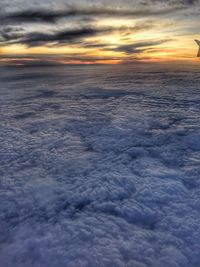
<point x="10" y="33"/>
<point x="39" y="38"/>
<point x="174" y="2"/>
<point x="50" y="23"/>
<point x="140" y="47"/>
<point x="52" y="16"/>
<point x="12" y="36"/>
<point x="99" y="167"/>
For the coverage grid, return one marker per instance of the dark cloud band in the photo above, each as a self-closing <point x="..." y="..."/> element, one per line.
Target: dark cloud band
<point x="9" y="35"/>
<point x="51" y="16"/>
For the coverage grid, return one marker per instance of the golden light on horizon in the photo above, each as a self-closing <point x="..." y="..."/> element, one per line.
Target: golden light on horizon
<point x="117" y="40"/>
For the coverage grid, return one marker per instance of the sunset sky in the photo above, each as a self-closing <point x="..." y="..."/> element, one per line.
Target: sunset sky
<point x="86" y="32"/>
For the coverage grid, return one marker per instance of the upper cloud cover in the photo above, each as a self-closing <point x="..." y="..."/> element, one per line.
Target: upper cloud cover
<point x="46" y="23"/>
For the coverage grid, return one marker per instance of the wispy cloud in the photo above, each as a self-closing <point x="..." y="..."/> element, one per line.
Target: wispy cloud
<point x="136" y="48"/>
<point x="52" y="16"/>
<point x="14" y="36"/>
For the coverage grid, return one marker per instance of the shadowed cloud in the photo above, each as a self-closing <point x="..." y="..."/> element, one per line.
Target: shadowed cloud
<point x="62" y="37"/>
<point x="139" y="47"/>
<point x="51" y="16"/>
<point x="98" y="28"/>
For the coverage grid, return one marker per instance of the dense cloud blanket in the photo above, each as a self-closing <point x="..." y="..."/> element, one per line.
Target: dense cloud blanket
<point x="99" y="167"/>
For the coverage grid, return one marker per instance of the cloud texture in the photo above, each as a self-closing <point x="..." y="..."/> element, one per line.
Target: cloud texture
<point x="97" y="170"/>
<point x="46" y="23"/>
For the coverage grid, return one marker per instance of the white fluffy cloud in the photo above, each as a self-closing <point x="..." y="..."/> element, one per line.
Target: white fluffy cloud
<point x="99" y="176"/>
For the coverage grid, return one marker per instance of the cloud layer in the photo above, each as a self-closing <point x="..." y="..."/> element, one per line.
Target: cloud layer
<point x="46" y="23"/>
<point x="97" y="169"/>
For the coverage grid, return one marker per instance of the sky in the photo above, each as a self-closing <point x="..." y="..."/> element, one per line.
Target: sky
<point x="95" y="32"/>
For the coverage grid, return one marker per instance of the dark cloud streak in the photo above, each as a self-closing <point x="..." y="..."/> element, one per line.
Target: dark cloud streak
<point x="52" y="16"/>
<point x="39" y="38"/>
<point x="71" y="36"/>
<point x="139" y="47"/>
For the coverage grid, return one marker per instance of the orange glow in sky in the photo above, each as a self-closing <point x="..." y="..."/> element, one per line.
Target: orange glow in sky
<point x="106" y="39"/>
